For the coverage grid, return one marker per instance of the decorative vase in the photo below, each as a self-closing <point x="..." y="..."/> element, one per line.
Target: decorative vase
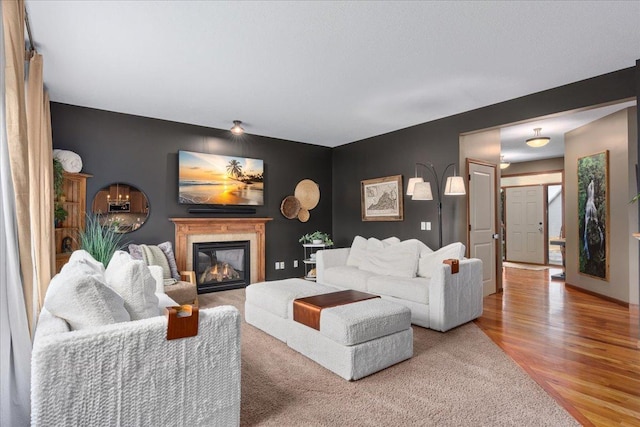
<point x="317" y="242"/>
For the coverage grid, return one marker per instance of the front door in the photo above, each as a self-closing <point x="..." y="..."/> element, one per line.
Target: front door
<point x="482" y="220"/>
<point x="525" y="225"/>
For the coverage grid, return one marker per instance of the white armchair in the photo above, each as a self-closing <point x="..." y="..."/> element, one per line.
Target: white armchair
<point x="128" y="373"/>
<point x="92" y="365"/>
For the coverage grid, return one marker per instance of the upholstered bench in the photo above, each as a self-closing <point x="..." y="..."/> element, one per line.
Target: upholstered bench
<point x="354" y="340"/>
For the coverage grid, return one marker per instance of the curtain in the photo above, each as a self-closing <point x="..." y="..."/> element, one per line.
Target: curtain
<point x="15" y="342"/>
<point x="17" y="140"/>
<point x="40" y="180"/>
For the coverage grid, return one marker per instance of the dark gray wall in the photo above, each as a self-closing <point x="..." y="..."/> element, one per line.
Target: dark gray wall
<point x="143" y="152"/>
<point x="438" y="142"/>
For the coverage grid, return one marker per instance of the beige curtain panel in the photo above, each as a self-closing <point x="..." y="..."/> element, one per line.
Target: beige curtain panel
<point x="17" y="138"/>
<point x="40" y="178"/>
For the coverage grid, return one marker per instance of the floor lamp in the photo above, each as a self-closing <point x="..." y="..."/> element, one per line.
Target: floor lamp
<point x="418" y="189"/>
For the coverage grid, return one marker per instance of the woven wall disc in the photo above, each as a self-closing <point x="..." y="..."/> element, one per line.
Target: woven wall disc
<point x="303" y="215"/>
<point x="290" y="207"/>
<point x="308" y="193"/>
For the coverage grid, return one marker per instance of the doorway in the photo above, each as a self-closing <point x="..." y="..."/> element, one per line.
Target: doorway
<point x="555" y="224"/>
<point x="525" y="224"/>
<point x="551" y="208"/>
<point x="482" y="227"/>
<point x="510" y="140"/>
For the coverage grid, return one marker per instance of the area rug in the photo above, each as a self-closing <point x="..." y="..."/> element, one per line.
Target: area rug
<point x="455" y="378"/>
<point x="524" y="266"/>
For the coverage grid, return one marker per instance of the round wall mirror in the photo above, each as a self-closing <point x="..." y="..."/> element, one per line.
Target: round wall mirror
<point x="121" y="206"/>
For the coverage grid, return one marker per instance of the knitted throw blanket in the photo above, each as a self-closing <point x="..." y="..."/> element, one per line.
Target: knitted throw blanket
<point x="153" y="255"/>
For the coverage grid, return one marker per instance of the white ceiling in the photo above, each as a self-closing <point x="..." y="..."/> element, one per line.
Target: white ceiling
<point x="325" y="73"/>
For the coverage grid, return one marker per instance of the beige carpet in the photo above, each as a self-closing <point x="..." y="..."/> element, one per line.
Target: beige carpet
<point x="525" y="266"/>
<point x="458" y="378"/>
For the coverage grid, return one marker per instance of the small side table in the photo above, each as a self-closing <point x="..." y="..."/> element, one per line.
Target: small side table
<point x="309" y="259"/>
<point x="560" y="241"/>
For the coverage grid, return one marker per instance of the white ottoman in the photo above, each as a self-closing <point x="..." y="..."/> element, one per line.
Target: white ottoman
<point x="354" y="340"/>
<point x="269" y="304"/>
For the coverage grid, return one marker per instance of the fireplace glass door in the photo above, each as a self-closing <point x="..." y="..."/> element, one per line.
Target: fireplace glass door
<point x="220" y="266"/>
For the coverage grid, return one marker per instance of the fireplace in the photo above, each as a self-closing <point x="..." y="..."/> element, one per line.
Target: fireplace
<point x="196" y="230"/>
<point x="220" y="266"/>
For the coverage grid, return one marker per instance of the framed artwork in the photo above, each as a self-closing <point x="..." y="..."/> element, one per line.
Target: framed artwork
<point x="381" y="199"/>
<point x="593" y="215"/>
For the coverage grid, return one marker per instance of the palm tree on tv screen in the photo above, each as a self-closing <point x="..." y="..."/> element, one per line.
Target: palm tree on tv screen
<point x="234" y="168"/>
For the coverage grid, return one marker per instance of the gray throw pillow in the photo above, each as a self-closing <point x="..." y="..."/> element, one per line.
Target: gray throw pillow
<point x="167" y="249"/>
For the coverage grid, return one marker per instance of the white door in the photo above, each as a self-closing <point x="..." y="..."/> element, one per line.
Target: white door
<point x="482" y="221"/>
<point x="524" y="222"/>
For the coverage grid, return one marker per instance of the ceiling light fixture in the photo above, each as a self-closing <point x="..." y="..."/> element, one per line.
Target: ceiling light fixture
<point x="538" y="141"/>
<point x="237" y="129"/>
<point x="503" y="164"/>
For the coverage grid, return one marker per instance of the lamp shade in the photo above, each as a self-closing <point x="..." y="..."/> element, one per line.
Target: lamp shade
<point x="412" y="183"/>
<point x="422" y="191"/>
<point x="454" y="186"/>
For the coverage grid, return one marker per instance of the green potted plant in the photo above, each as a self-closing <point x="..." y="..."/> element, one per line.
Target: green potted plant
<point x="59" y="212"/>
<point x="317" y="237"/>
<point x="100" y="241"/>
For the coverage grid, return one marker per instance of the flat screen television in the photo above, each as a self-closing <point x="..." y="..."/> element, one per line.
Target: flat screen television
<point x="211" y="179"/>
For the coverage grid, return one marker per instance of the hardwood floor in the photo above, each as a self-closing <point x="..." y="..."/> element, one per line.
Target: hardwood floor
<point x="581" y="349"/>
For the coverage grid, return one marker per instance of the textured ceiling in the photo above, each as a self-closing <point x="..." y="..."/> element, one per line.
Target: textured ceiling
<point x="325" y="73"/>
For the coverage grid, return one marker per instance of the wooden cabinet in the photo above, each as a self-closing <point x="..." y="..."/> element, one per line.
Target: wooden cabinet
<point x="75" y="203"/>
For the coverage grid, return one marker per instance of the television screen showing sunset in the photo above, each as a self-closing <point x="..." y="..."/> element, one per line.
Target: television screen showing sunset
<point x="212" y="179"/>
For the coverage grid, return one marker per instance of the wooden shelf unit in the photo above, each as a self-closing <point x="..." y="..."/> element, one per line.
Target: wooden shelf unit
<point x="75" y="192"/>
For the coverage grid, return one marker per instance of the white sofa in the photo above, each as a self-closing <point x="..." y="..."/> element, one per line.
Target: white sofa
<point x="92" y="366"/>
<point x="411" y="274"/>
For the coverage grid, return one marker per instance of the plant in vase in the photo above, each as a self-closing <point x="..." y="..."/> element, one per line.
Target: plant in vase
<point x="317" y="237"/>
<point x="59" y="212"/>
<point x="100" y="241"/>
<point x="59" y="215"/>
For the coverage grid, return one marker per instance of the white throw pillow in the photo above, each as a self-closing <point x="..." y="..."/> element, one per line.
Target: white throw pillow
<point x="81" y="297"/>
<point x="400" y="260"/>
<point x="429" y="262"/>
<point x="357" y="252"/>
<point x="84" y="255"/>
<point x="390" y="241"/>
<point x="156" y="272"/>
<point x="133" y="281"/>
<point x="374" y="244"/>
<point x="423" y="249"/>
